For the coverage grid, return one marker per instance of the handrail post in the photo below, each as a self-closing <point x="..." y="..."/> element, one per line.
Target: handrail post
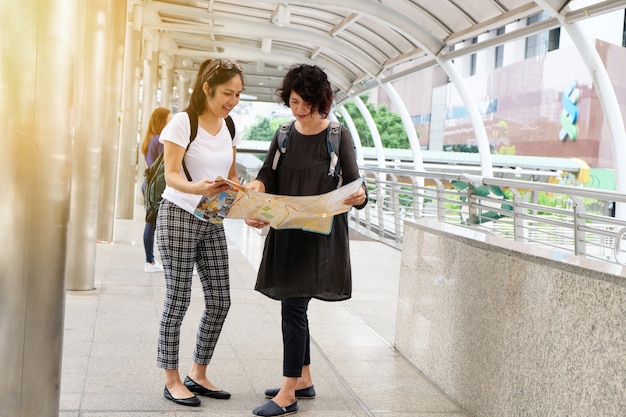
<point x="395" y="201"/>
<point x="380" y="205"/>
<point x="441" y="209"/>
<point x="472" y="209"/>
<point x="418" y="201"/>
<point x="580" y="245"/>
<point x="518" y="221"/>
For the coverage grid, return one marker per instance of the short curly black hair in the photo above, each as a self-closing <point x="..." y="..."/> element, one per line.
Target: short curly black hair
<point x="311" y="83"/>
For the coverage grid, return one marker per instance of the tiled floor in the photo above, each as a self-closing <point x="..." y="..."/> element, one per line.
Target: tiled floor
<point x="111" y="332"/>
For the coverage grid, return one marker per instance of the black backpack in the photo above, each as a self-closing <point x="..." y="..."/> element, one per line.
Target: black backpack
<point x="155" y="174"/>
<point x="333" y="141"/>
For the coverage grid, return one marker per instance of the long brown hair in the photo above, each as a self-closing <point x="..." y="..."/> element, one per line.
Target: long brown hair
<point x="212" y="71"/>
<point x="157" y="122"/>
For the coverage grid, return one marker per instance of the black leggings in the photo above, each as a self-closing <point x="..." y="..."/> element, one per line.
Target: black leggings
<point x="296" y="341"/>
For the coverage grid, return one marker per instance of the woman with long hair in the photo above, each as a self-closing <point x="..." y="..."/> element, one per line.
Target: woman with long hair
<point x="151" y="148"/>
<point x="185" y="240"/>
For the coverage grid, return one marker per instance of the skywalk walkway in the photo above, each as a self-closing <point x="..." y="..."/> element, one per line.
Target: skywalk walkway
<point x="109" y="366"/>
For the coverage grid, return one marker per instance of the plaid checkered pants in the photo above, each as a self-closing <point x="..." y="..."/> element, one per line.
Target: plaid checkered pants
<point x="185" y="240"/>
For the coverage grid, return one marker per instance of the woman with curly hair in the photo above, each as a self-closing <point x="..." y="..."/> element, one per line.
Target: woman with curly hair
<point x="299" y="265"/>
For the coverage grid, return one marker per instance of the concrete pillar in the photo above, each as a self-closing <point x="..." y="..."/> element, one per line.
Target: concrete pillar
<point x="167" y="82"/>
<point x="127" y="155"/>
<point x="91" y="60"/>
<point x="120" y="42"/>
<point x="36" y="118"/>
<point x="183" y="91"/>
<point x="150" y="79"/>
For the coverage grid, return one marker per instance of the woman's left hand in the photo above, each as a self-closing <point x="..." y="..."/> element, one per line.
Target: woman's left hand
<point x="355" y="199"/>
<point x="258" y="224"/>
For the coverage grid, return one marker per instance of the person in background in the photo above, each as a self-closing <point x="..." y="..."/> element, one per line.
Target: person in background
<point x="185" y="240"/>
<point x="151" y="148"/>
<point x="298" y="265"/>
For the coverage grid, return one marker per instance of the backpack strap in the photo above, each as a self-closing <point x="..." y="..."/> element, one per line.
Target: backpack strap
<point x="281" y="141"/>
<point x="193" y="120"/>
<point x="333" y="141"/>
<point x="231" y="126"/>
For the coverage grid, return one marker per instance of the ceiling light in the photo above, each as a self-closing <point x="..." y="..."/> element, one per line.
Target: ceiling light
<point x="266" y="45"/>
<point x="281" y="15"/>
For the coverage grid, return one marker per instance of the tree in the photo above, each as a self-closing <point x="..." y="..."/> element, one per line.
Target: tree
<point x="259" y="131"/>
<point x="264" y="129"/>
<point x="389" y="124"/>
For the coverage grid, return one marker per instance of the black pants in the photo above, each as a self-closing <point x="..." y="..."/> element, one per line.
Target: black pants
<point x="296" y="341"/>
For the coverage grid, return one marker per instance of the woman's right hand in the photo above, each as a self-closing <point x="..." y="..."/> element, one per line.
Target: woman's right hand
<point x="210" y="188"/>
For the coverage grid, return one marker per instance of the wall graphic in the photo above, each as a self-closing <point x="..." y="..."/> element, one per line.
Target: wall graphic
<point x="569" y="114"/>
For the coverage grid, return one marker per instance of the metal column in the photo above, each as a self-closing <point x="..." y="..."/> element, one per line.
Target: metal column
<point x="36" y="118"/>
<point x="91" y="69"/>
<point x="183" y="91"/>
<point x="167" y="82"/>
<point x="126" y="157"/>
<point x="117" y="48"/>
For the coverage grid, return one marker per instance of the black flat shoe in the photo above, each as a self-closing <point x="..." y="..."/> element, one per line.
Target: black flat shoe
<point x="196" y="388"/>
<point x="271" y="409"/>
<point x="191" y="401"/>
<point x="306" y="393"/>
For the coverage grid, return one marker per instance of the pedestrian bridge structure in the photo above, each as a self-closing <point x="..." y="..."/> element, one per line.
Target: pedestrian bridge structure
<point x="505" y="290"/>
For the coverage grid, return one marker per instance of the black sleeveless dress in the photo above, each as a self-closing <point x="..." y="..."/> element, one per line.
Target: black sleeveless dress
<point x="298" y="263"/>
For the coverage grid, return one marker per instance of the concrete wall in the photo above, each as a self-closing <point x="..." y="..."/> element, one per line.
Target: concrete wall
<point x="505" y="331"/>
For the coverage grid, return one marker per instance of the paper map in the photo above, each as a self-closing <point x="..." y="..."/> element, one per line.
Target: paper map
<point x="214" y="208"/>
<point x="311" y="213"/>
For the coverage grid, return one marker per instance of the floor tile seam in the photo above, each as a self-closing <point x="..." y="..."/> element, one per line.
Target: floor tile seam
<point x="341" y="379"/>
<point x="460" y="411"/>
<point x="364" y="323"/>
<point x="240" y="360"/>
<point x="85" y="378"/>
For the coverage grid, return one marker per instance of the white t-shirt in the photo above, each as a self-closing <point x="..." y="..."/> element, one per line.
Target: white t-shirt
<point x="208" y="157"/>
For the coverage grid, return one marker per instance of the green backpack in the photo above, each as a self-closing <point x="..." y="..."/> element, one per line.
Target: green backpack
<point x="155" y="174"/>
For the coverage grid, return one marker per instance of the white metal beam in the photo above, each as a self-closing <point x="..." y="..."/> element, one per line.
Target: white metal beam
<point x="354" y="133"/>
<point x="409" y="127"/>
<point x="474" y="114"/>
<point x="371" y="125"/>
<point x="249" y="29"/>
<point x="606" y="95"/>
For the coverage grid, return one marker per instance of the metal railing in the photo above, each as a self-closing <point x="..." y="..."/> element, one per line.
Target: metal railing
<point x="573" y="219"/>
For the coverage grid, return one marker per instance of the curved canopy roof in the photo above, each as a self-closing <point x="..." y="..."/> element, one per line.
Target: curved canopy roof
<point x="358" y="42"/>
